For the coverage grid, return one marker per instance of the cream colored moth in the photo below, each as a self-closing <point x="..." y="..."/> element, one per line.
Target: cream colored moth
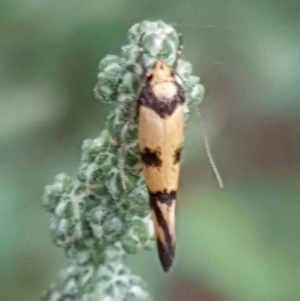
<point x="160" y="135"/>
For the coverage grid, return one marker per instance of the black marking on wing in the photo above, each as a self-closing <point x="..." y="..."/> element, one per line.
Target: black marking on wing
<point x="151" y="157"/>
<point x="166" y="251"/>
<point x="177" y="155"/>
<point x="166" y="255"/>
<point x="163" y="197"/>
<point x="163" y="107"/>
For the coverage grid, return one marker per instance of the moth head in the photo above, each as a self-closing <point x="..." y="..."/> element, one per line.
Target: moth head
<point x="161" y="72"/>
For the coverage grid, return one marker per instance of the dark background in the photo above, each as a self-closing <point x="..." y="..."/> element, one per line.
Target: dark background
<point x="241" y="243"/>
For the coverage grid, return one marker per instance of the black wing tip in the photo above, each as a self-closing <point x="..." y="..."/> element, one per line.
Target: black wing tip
<point x="166" y="255"/>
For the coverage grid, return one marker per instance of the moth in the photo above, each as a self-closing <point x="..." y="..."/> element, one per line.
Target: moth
<point x="160" y="139"/>
<point x="161" y="122"/>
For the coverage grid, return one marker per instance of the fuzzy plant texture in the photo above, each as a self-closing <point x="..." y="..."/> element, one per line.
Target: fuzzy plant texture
<point x="103" y="215"/>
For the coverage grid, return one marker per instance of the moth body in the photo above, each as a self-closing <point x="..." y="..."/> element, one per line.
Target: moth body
<point x="161" y="130"/>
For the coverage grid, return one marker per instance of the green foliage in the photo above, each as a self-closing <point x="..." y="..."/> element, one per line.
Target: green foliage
<point x="104" y="214"/>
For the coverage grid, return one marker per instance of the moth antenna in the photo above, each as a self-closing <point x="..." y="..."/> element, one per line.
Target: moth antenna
<point x="178" y="51"/>
<point x="208" y="152"/>
<point x="141" y="50"/>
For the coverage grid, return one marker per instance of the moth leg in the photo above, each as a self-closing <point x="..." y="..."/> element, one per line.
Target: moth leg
<point x="121" y="161"/>
<point x="144" y="75"/>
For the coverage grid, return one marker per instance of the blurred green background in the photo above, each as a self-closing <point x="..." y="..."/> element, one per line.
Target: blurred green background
<point x="241" y="243"/>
